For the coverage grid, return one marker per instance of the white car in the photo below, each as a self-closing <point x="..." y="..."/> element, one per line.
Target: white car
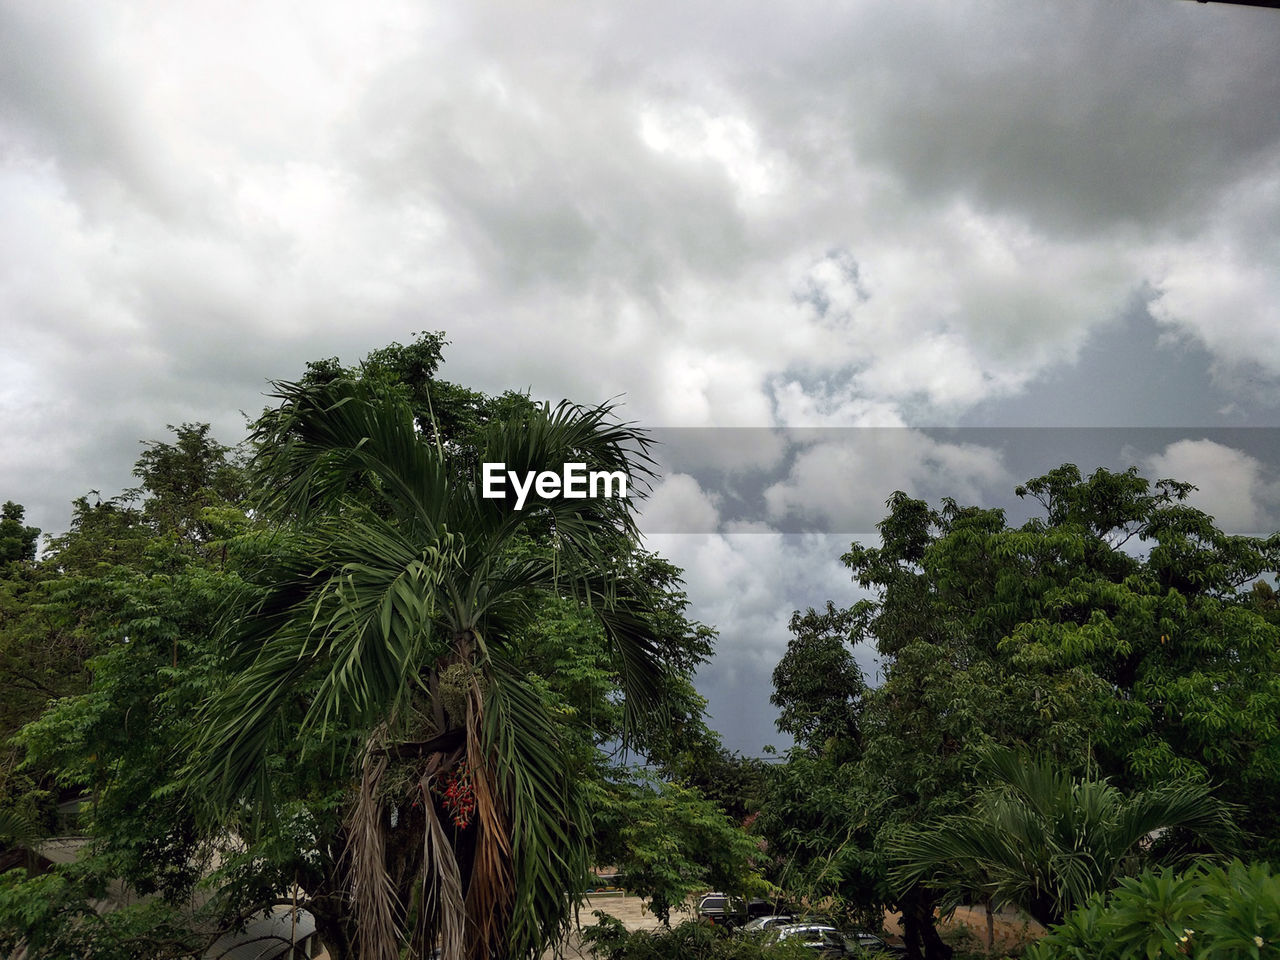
<point x="830" y="942"/>
<point x="766" y="923"/>
<point x="810" y="934"/>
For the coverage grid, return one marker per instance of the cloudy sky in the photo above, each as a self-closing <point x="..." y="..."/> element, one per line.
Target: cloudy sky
<point x="884" y="214"/>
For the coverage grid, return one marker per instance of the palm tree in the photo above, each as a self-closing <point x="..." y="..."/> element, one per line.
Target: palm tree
<point x="392" y="611"/>
<point x="1044" y="841"/>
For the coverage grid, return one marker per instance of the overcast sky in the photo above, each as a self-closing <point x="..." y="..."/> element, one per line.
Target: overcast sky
<point x="881" y="213"/>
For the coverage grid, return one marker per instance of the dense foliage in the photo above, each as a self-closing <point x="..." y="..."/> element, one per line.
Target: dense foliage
<point x="115" y="633"/>
<point x="320" y="671"/>
<point x="608" y="939"/>
<point x="1120" y="632"/>
<point x="397" y="611"/>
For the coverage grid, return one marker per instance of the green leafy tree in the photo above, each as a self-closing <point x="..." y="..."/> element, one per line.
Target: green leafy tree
<point x="670" y="841"/>
<point x="42" y="656"/>
<point x="103" y="534"/>
<point x="1118" y="631"/>
<point x="110" y="642"/>
<point x="60" y="612"/>
<point x="17" y="542"/>
<point x="908" y="759"/>
<point x="736" y="784"/>
<point x="118" y="744"/>
<point x="445" y="412"/>
<point x="819" y="827"/>
<point x="192" y="486"/>
<point x="116" y="627"/>
<point x="53" y="916"/>
<point x="818" y="686"/>
<point x="562" y="648"/>
<point x="609" y="939"/>
<point x="57" y="614"/>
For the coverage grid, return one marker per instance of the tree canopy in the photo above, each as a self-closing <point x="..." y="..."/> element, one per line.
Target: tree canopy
<point x="1119" y="632"/>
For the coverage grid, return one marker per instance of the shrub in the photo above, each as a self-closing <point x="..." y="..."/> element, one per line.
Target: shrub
<point x="1207" y="913"/>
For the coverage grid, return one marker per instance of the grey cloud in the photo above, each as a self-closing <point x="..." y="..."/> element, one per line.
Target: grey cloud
<point x="1240" y="491"/>
<point x="868" y="213"/>
<point x="841" y="480"/>
<point x="1135" y="373"/>
<point x="1084" y="116"/>
<point x="828" y="480"/>
<point x="70" y="96"/>
<point x="546" y="179"/>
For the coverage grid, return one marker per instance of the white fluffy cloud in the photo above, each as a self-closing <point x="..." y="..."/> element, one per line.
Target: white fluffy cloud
<point x="678" y="504"/>
<point x="842" y="482"/>
<point x="1222" y="286"/>
<point x="1240" y="492"/>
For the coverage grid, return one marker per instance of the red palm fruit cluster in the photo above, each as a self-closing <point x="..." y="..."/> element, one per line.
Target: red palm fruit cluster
<point x="459" y="797"/>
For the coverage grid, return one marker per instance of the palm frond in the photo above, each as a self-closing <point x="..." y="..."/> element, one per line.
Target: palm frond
<point x="490" y="889"/>
<point x="349" y="635"/>
<point x="17" y="828"/>
<point x="343" y="435"/>
<point x="1047" y="842"/>
<point x="547" y="809"/>
<point x="1182" y="810"/>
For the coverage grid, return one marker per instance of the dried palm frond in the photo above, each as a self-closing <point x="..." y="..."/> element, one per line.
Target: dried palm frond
<point x="443" y="915"/>
<point x="376" y="906"/>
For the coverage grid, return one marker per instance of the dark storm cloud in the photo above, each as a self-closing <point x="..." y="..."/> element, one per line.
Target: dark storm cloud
<point x="1080" y="116"/>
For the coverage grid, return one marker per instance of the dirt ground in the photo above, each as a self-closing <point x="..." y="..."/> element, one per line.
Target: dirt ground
<point x="1011" y="928"/>
<point x="630" y="910"/>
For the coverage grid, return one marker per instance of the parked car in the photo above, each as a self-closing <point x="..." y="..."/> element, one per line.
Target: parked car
<point x="810" y="934"/>
<point x="869" y="944"/>
<point x="766" y="923"/>
<point x="832" y="944"/>
<point x="721" y="908"/>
